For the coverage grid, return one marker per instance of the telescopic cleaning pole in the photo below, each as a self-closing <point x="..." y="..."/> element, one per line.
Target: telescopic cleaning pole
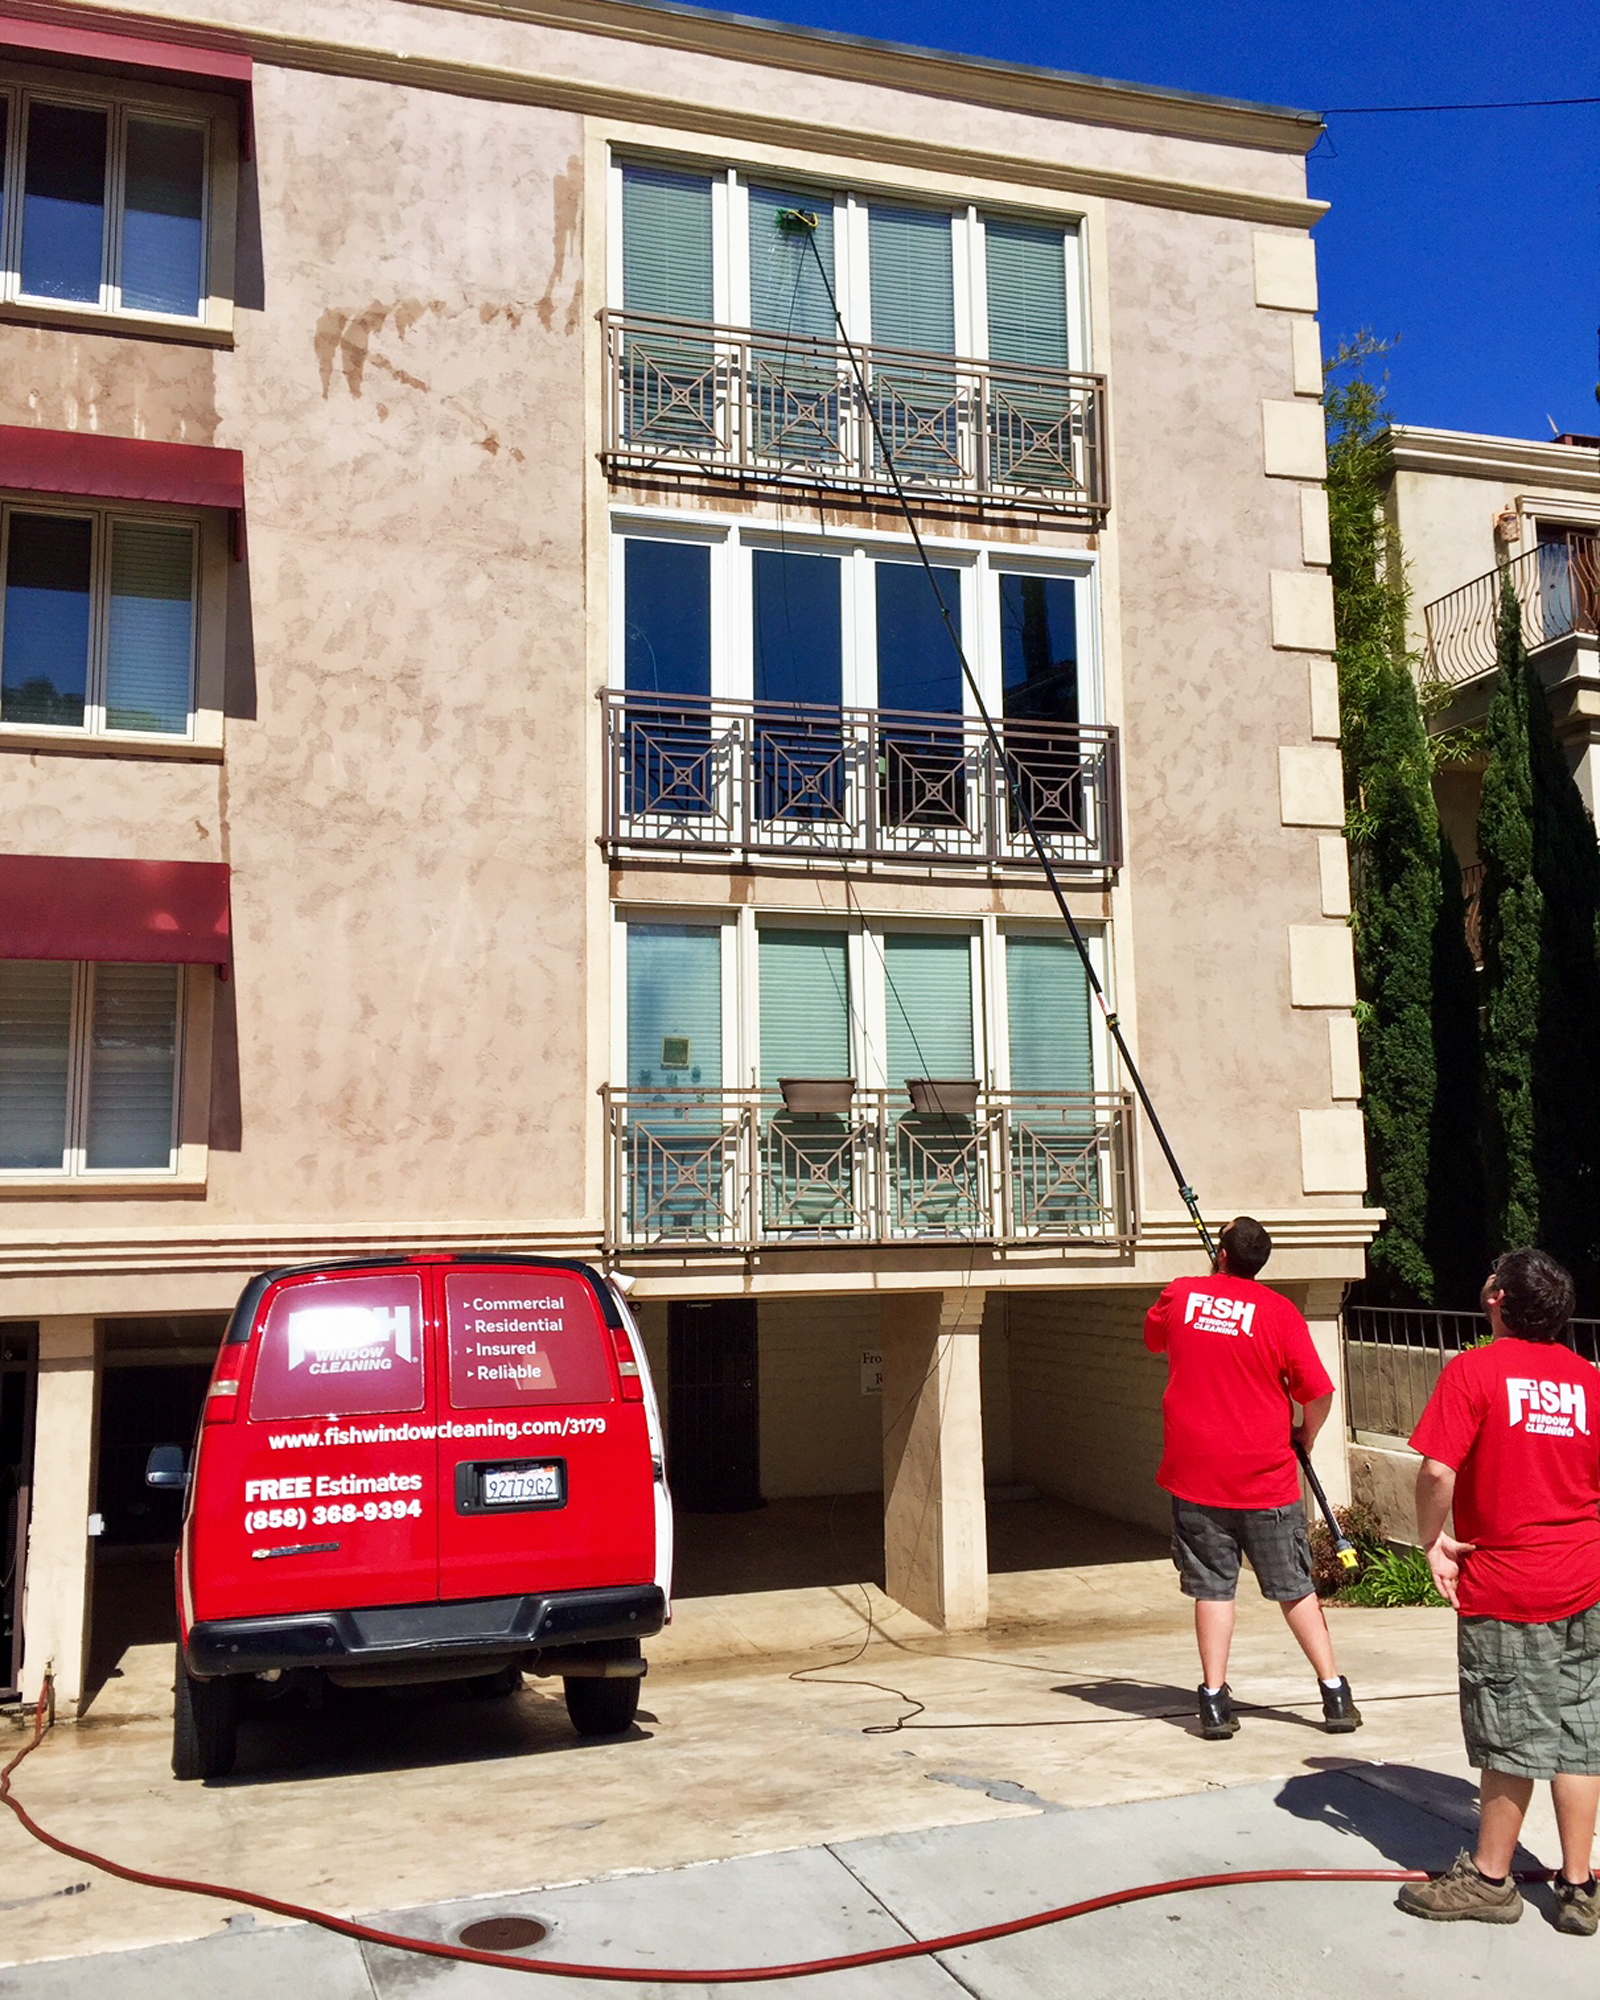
<point x="1347" y="1552"/>
<point x="802" y="222"/>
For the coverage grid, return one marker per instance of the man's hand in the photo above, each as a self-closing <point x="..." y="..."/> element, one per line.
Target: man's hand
<point x="1444" y="1559"/>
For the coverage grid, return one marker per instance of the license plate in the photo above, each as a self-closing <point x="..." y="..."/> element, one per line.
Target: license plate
<point x="521" y="1485"/>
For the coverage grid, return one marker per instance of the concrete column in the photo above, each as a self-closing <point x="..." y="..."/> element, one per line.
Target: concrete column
<point x="935" y="1534"/>
<point x="1320" y="1304"/>
<point x="55" y="1613"/>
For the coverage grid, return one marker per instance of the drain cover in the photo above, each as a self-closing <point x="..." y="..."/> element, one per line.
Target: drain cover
<point x="504" y="1933"/>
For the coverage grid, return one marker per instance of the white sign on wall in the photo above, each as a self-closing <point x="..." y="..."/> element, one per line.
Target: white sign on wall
<point x="872" y="1371"/>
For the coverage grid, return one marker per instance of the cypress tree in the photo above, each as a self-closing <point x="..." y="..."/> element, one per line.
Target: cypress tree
<point x="1421" y="1150"/>
<point x="1512" y="907"/>
<point x="1457" y="1237"/>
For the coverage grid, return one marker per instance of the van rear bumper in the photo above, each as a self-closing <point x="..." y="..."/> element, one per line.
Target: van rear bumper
<point x="495" y="1630"/>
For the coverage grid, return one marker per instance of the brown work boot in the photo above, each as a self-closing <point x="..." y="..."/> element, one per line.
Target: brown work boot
<point x="1461" y="1895"/>
<point x="1577" y="1907"/>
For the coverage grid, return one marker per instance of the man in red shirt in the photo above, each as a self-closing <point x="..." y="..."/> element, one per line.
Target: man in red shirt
<point x="1237" y="1353"/>
<point x="1511" y="1436"/>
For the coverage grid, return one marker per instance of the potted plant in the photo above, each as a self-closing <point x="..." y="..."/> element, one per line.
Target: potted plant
<point x="944" y="1096"/>
<point x="815" y="1096"/>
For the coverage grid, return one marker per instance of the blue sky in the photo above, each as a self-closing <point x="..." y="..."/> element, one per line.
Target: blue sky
<point x="1472" y="236"/>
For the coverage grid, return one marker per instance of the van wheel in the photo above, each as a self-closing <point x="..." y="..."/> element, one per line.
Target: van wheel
<point x="601" y="1708"/>
<point x="205" y="1725"/>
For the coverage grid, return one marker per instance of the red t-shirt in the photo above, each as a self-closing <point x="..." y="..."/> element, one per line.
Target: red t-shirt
<point x="1236" y="1352"/>
<point x="1519" y="1422"/>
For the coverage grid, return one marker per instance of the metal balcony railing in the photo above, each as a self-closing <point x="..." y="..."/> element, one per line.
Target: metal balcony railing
<point x="1394" y="1355"/>
<point x="787" y="409"/>
<point x="1557" y="586"/>
<point x="708" y="775"/>
<point x="732" y="1170"/>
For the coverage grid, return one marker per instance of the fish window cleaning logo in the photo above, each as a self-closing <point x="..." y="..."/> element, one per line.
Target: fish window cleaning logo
<point x="350" y="1340"/>
<point x="1548" y="1409"/>
<point x="1220" y="1315"/>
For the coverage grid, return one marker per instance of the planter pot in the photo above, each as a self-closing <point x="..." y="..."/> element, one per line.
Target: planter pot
<point x="943" y="1096"/>
<point x="817" y="1094"/>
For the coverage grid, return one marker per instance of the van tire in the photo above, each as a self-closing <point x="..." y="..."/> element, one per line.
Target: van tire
<point x="602" y="1707"/>
<point x="205" y="1725"/>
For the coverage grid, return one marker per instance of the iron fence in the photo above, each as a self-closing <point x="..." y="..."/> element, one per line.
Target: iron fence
<point x="788" y="409"/>
<point x="1394" y="1355"/>
<point x="731" y="1170"/>
<point x="770" y="778"/>
<point x="1558" y="589"/>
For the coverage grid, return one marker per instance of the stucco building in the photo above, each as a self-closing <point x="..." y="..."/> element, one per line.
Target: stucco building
<point x="483" y="766"/>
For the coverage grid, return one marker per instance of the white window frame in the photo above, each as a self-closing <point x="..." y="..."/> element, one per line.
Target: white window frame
<point x="191" y="1068"/>
<point x="207" y="661"/>
<point x="852" y="209"/>
<point x="216" y="116"/>
<point x="697" y="917"/>
<point x="979" y="566"/>
<point x="1102" y="1051"/>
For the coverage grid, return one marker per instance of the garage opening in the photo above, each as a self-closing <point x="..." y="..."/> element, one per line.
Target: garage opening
<point x="19" y="1376"/>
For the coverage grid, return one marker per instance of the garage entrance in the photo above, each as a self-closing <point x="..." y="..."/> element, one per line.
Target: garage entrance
<point x="19" y="1376"/>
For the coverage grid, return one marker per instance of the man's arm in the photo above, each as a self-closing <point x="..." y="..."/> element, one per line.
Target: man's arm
<point x="1155" y="1323"/>
<point x="1436" y="1488"/>
<point x="1313" y="1416"/>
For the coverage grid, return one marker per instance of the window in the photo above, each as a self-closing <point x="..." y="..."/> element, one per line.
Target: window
<point x="88" y="1068"/>
<point x="98" y="621"/>
<point x="115" y="204"/>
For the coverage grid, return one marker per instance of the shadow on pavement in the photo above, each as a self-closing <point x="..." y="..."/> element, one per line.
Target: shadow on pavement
<point x="1416" y="1817"/>
<point x="1154" y="1701"/>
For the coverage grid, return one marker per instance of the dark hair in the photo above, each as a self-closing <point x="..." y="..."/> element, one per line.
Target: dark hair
<point x="1539" y="1294"/>
<point x="1246" y="1245"/>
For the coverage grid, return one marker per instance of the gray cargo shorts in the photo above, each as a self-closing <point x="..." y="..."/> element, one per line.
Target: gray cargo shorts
<point x="1530" y="1695"/>
<point x="1207" y="1543"/>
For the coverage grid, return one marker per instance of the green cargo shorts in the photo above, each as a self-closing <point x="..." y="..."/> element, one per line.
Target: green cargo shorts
<point x="1530" y="1695"/>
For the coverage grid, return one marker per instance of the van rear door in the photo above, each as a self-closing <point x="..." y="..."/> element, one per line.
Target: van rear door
<point x="545" y="1473"/>
<point x="317" y="1489"/>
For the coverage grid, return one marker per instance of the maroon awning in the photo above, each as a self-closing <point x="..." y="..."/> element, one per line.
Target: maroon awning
<point x="119" y="468"/>
<point x="114" y="912"/>
<point x="96" y="42"/>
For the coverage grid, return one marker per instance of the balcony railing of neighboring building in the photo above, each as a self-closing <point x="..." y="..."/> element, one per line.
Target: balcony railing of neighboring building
<point x="708" y="775"/>
<point x="732" y="1170"/>
<point x="1472" y="900"/>
<point x="1394" y="1356"/>
<point x="1557" y="586"/>
<point x="774" y="408"/>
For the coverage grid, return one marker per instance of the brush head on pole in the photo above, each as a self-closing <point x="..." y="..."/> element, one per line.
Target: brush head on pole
<point x="796" y="221"/>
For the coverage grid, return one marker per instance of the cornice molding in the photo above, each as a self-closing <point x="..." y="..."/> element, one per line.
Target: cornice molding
<point x="1466" y="453"/>
<point x="272" y="47"/>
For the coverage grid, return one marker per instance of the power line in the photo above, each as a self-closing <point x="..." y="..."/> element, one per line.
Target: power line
<point x="1502" y="104"/>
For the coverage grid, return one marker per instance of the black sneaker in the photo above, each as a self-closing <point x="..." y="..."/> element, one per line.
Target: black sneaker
<point x="1217" y="1719"/>
<point x="1339" y="1712"/>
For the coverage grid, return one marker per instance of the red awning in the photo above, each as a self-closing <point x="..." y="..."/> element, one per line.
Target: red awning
<point x="98" y="43"/>
<point x="114" y="912"/>
<point x="118" y="468"/>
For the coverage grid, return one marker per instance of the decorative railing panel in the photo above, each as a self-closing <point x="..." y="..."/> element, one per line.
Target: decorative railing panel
<point x="699" y="773"/>
<point x="789" y="409"/>
<point x="1558" y="589"/>
<point x="693" y="1169"/>
<point x="1394" y="1356"/>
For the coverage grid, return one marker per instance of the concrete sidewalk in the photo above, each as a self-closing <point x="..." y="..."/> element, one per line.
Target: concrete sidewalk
<point x="1344" y="1941"/>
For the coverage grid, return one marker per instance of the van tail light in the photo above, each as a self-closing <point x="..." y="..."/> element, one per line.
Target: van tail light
<point x="222" y="1398"/>
<point x="627" y="1366"/>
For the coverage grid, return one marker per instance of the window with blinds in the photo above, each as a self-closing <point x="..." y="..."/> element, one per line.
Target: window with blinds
<point x="928" y="1006"/>
<point x="913" y="279"/>
<point x="1026" y="269"/>
<point x="666" y="243"/>
<point x="107" y="207"/>
<point x="788" y="291"/>
<point x="98" y="622"/>
<point x="674" y="1006"/>
<point x="805" y="1005"/>
<point x="1047" y="1016"/>
<point x="88" y="1068"/>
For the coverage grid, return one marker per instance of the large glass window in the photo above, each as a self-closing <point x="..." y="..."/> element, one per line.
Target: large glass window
<point x="805" y="1005"/>
<point x="928" y="1006"/>
<point x="88" y="1067"/>
<point x="798" y="661"/>
<point x="112" y="208"/>
<point x="674" y="1006"/>
<point x="97" y="627"/>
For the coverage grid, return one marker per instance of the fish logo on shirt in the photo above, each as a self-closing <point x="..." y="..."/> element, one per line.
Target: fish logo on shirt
<point x="1220" y="1315"/>
<point x="1547" y="1409"/>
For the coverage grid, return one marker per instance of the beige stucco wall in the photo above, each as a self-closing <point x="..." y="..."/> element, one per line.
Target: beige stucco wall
<point x="819" y="1433"/>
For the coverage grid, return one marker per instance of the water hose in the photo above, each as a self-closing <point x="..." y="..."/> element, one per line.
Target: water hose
<point x="654" y="1975"/>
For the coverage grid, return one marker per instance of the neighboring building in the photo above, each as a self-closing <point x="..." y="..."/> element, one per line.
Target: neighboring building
<point x="476" y="729"/>
<point x="1472" y="511"/>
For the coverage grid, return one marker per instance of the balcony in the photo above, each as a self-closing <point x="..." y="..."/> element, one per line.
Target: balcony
<point x="771" y="409"/>
<point x="1557" y="586"/>
<point x="732" y="1171"/>
<point x="728" y="777"/>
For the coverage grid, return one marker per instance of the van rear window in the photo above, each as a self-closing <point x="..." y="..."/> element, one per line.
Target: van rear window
<point x="524" y="1337"/>
<point x="342" y="1347"/>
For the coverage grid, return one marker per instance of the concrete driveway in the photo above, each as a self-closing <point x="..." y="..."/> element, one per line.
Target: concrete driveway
<point x="1053" y="1757"/>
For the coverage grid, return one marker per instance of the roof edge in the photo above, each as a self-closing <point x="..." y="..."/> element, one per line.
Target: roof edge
<point x="1417" y="448"/>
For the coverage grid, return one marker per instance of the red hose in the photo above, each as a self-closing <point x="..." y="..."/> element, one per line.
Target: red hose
<point x="654" y="1975"/>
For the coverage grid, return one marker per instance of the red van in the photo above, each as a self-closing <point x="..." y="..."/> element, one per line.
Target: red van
<point x="417" y="1469"/>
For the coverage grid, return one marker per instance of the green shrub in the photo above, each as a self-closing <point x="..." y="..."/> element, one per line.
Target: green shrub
<point x="1393" y="1577"/>
<point x="1362" y="1526"/>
